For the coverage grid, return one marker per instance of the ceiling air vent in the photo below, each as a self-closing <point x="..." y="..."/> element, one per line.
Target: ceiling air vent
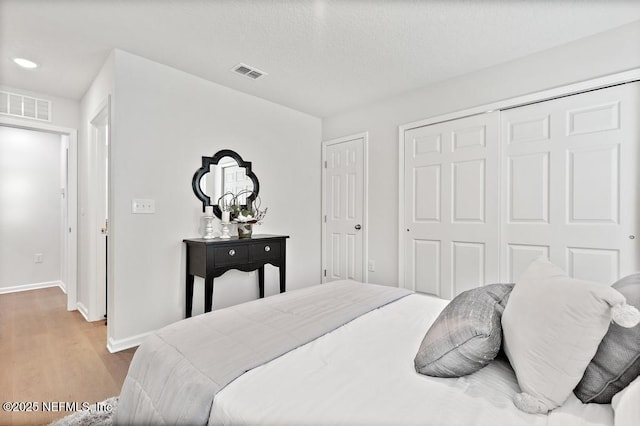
<point x="25" y="106"/>
<point x="247" y="71"/>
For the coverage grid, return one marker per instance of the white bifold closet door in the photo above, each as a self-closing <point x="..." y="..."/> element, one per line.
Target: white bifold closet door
<point x="570" y="187"/>
<point x="486" y="194"/>
<point x="452" y="205"/>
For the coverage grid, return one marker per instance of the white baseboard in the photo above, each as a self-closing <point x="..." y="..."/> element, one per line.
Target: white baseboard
<point x="114" y="345"/>
<point x="85" y="313"/>
<point x="34" y="286"/>
<point x="83" y="310"/>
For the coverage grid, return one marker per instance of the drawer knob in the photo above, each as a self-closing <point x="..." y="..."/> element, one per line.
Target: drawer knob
<point x="267" y="248"/>
<point x="232" y="252"/>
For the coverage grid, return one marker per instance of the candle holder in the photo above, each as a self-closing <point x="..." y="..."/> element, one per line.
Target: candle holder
<point x="225" y="231"/>
<point x="207" y="219"/>
<point x="208" y="228"/>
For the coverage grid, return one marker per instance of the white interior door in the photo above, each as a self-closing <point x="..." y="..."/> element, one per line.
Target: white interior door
<point x="64" y="209"/>
<point x="100" y="135"/>
<point x="451" y="204"/>
<point x="344" y="210"/>
<point x="571" y="184"/>
<point x="235" y="180"/>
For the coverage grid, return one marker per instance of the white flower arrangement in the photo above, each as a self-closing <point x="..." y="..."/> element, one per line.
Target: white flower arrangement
<point x="245" y="219"/>
<point x="245" y="214"/>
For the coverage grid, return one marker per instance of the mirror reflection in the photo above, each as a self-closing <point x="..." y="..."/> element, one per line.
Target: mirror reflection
<point x="224" y="177"/>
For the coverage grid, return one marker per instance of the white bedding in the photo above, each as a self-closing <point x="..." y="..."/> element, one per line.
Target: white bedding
<point x="363" y="373"/>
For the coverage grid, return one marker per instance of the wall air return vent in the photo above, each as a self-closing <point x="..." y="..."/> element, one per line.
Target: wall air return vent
<point x="250" y="72"/>
<point x="25" y="106"/>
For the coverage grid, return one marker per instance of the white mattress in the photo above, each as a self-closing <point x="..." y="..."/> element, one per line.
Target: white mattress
<point x="363" y="374"/>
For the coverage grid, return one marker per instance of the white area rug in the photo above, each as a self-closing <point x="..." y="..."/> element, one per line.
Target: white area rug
<point x="96" y="415"/>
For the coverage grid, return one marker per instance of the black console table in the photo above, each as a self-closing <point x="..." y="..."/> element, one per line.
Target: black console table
<point x="209" y="259"/>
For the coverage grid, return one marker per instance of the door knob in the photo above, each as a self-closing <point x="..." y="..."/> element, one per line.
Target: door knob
<point x="358" y="227"/>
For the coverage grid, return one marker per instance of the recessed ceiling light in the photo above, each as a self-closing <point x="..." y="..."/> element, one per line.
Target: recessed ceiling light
<point x="25" y="63"/>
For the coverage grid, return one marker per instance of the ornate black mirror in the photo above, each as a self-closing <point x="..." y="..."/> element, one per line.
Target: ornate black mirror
<point x="225" y="173"/>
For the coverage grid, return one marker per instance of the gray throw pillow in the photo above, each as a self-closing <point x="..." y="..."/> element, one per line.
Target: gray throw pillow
<point x="467" y="334"/>
<point x="617" y="361"/>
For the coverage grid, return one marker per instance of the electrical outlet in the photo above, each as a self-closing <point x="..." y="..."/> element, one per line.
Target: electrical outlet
<point x="372" y="266"/>
<point x="143" y="206"/>
<point x="38" y="258"/>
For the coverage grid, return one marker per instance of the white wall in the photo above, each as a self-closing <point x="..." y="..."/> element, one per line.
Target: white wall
<point x="606" y="53"/>
<point x="30" y="207"/>
<point x="163" y="121"/>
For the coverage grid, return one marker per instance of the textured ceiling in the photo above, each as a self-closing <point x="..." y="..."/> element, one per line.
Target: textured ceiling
<point x="321" y="56"/>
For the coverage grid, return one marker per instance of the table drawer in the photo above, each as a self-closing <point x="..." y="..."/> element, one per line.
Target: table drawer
<point x="231" y="255"/>
<point x="265" y="251"/>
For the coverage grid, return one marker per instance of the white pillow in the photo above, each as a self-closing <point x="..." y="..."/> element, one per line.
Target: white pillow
<point x="626" y="405"/>
<point x="552" y="326"/>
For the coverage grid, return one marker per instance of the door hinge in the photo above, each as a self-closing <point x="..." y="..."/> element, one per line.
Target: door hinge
<point x="325" y="164"/>
<point x="325" y="272"/>
<point x="325" y="218"/>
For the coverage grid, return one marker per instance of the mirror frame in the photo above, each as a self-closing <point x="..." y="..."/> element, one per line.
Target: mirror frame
<point x="207" y="162"/>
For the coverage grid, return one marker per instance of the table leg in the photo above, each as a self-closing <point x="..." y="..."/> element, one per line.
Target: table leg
<point x="283" y="275"/>
<point x="208" y="294"/>
<point x="189" y="296"/>
<point x="261" y="281"/>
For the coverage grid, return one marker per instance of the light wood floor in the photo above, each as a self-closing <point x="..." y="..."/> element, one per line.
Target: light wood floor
<point x="48" y="354"/>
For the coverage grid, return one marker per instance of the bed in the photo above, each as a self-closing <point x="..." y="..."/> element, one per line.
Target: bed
<point x="337" y="353"/>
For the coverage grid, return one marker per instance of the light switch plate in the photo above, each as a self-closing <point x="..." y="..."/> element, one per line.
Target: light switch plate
<point x="143" y="206"/>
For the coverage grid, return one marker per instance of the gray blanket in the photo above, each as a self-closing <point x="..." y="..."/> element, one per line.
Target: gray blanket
<point x="178" y="370"/>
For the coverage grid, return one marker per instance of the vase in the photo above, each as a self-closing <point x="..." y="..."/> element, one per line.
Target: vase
<point x="245" y="230"/>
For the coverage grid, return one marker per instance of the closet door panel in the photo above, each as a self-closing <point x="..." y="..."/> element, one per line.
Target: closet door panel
<point x="572" y="183"/>
<point x="593" y="175"/>
<point x="529" y="128"/>
<point x="519" y="256"/>
<point x="527" y="178"/>
<point x="600" y="265"/>
<point x="469" y="191"/>
<point x="593" y="117"/>
<point x="426" y="263"/>
<point x="451" y="205"/>
<point x="426" y="180"/>
<point x="467" y="267"/>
